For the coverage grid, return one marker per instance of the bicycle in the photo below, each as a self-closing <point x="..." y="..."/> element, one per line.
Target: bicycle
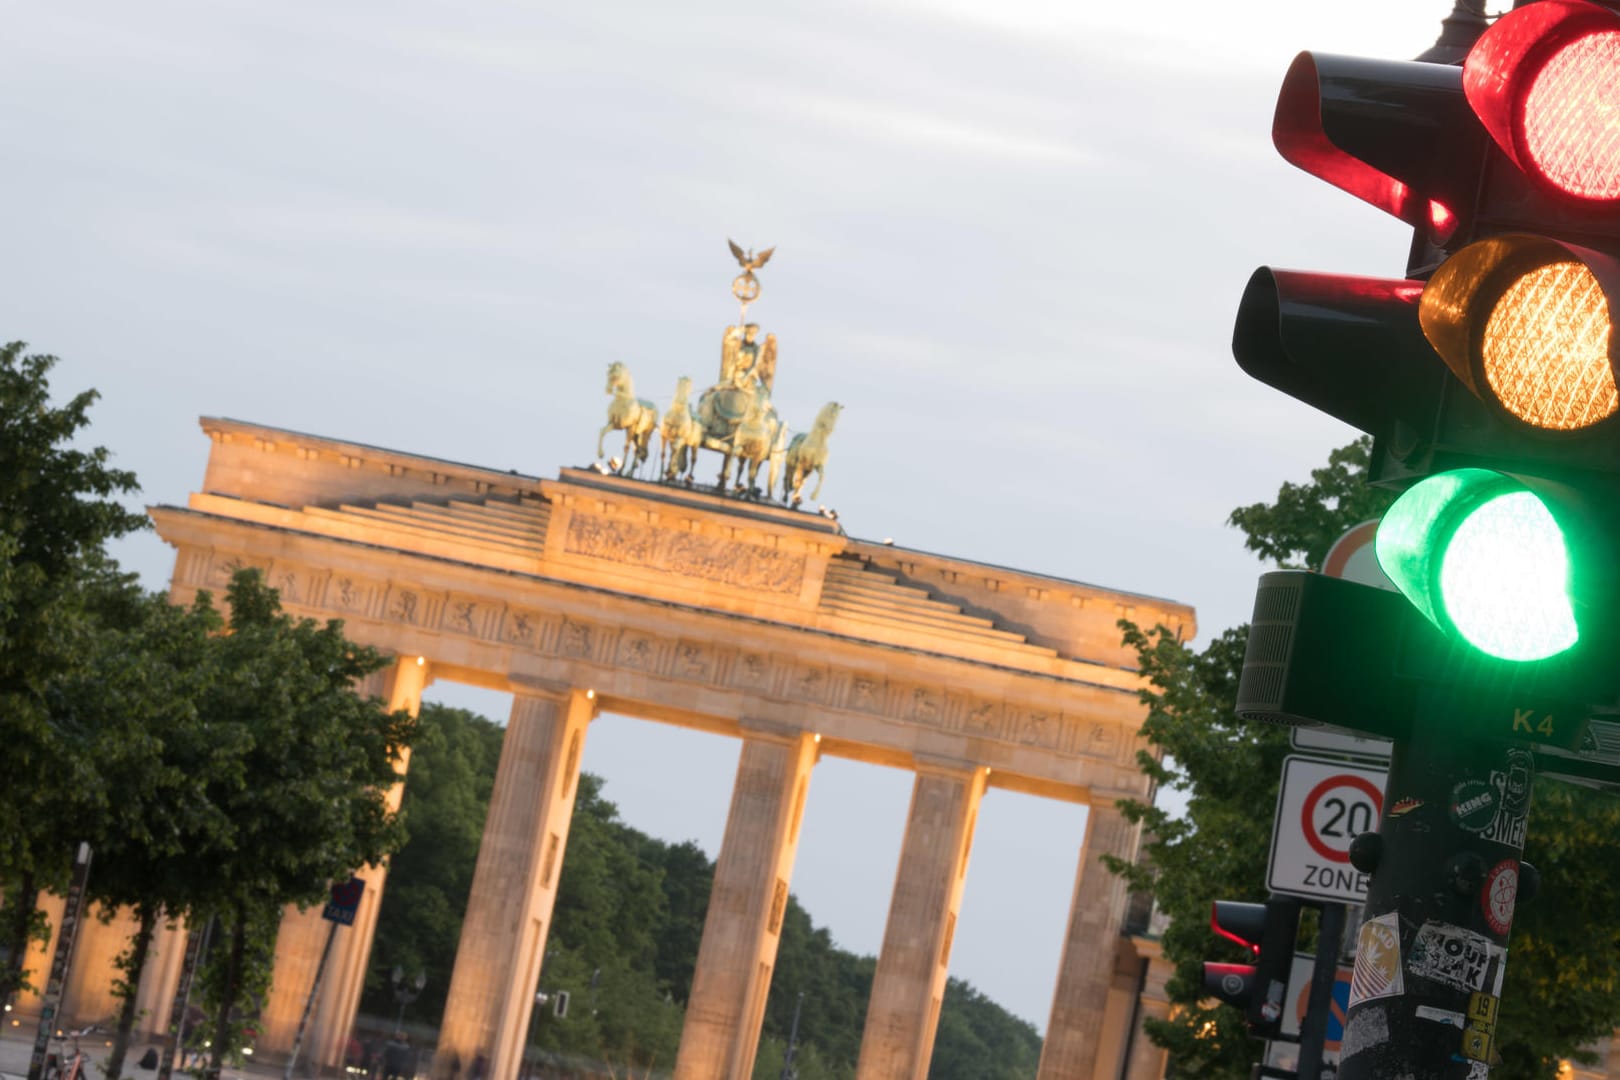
<point x="77" y="1067"/>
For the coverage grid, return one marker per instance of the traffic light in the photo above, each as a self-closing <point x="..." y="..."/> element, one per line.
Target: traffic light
<point x="1487" y="378"/>
<point x="1268" y="931"/>
<point x="1487" y="375"/>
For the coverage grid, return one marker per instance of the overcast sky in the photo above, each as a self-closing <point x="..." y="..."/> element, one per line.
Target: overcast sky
<point x="1011" y="235"/>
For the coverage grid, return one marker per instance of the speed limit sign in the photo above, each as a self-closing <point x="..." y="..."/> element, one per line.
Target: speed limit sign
<point x="1321" y="807"/>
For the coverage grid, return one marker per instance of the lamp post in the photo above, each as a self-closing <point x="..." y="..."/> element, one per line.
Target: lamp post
<point x="405" y="991"/>
<point x="788" y="1071"/>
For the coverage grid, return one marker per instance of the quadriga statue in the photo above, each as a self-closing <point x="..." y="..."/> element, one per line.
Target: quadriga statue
<point x="747" y="374"/>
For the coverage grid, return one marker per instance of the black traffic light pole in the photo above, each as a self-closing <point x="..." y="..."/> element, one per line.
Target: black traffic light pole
<point x="1444" y="868"/>
<point x="1313" y="1029"/>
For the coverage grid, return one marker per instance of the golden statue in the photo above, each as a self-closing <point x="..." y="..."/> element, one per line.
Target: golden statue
<point x="807" y="453"/>
<point x="745" y="286"/>
<point x="736" y="413"/>
<point x="636" y="417"/>
<point x="735" y="417"/>
<point x="743" y="360"/>
<point x="680" y="435"/>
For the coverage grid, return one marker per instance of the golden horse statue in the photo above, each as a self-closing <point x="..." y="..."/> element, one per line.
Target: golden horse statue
<point x="636" y="417"/>
<point x="760" y="437"/>
<point x="679" y="435"/>
<point x="807" y="453"/>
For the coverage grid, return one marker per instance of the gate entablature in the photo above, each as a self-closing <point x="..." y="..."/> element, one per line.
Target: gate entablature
<point x="681" y="545"/>
<point x="671" y="602"/>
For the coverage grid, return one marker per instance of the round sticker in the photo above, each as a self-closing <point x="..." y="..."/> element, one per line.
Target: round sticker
<point x="1500" y="891"/>
<point x="1473" y="805"/>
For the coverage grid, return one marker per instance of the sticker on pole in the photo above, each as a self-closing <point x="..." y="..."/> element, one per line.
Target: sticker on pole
<point x="1321" y="807"/>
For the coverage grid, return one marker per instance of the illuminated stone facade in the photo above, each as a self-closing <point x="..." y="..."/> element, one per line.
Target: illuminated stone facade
<point x="593" y="592"/>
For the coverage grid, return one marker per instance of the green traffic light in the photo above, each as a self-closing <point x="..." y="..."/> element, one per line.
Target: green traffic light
<point x="1484" y="558"/>
<point x="1504" y="579"/>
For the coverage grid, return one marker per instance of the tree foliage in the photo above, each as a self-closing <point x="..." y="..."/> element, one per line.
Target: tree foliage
<point x="1560" y="991"/>
<point x="451" y="776"/>
<point x="58" y="507"/>
<point x="147" y="813"/>
<point x="301" y="768"/>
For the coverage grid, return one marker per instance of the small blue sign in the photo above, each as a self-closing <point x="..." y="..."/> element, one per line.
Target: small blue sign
<point x="345" y="901"/>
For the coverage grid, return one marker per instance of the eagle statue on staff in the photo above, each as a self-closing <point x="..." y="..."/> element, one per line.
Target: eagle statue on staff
<point x="745" y="286"/>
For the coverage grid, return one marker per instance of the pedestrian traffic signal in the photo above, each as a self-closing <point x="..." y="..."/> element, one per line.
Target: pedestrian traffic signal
<point x="1487" y="376"/>
<point x="1268" y="931"/>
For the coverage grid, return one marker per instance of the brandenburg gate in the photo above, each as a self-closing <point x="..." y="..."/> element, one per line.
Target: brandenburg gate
<point x="686" y="605"/>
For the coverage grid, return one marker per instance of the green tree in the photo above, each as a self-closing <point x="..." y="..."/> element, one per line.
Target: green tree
<point x="452" y="773"/>
<point x="688" y="877"/>
<point x="979" y="1039"/>
<point x="302" y="769"/>
<point x="135" y="710"/>
<point x="603" y="950"/>
<point x="1559" y="993"/>
<point x="836" y="985"/>
<point x="58" y="508"/>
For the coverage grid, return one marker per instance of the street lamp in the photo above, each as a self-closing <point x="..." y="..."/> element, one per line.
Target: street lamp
<point x="405" y="991"/>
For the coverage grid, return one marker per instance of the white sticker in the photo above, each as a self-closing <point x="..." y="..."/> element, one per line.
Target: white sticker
<point x="1378" y="960"/>
<point x="1457" y="957"/>
<point x="1441" y="1016"/>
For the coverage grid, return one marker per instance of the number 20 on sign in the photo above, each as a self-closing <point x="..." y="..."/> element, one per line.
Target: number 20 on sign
<point x="1321" y="807"/>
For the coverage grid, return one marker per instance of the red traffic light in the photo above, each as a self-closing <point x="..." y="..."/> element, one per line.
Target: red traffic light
<point x="1545" y="82"/>
<point x="1268" y="931"/>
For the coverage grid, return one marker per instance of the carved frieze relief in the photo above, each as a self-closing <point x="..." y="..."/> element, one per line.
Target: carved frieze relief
<point x="338" y="593"/>
<point x="688" y="554"/>
<point x="224" y="566"/>
<point x="405" y="606"/>
<point x="576" y="639"/>
<point x="693" y="661"/>
<point x="811" y="683"/>
<point x="639" y="652"/>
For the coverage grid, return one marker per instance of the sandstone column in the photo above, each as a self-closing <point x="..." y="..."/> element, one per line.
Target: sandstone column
<point x="1115" y="1039"/>
<point x="160" y="979"/>
<point x="87" y="997"/>
<point x="910" y="981"/>
<point x="503" y="936"/>
<point x="28" y="1003"/>
<point x="298" y="951"/>
<point x="744" y="920"/>
<point x="1086" y="970"/>
<point x="1147" y="1061"/>
<point x="303" y="933"/>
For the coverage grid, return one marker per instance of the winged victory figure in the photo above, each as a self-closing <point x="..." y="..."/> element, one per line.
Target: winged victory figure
<point x="747" y="259"/>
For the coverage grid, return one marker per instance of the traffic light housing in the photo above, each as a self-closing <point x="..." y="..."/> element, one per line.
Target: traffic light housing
<point x="1487" y="375"/>
<point x="1268" y="931"/>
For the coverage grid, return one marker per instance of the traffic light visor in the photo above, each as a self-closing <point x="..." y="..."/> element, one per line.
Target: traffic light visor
<point x="1545" y="81"/>
<point x="1484" y="558"/>
<point x="1526" y="323"/>
<point x="1239" y="922"/>
<point x="1386" y="131"/>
